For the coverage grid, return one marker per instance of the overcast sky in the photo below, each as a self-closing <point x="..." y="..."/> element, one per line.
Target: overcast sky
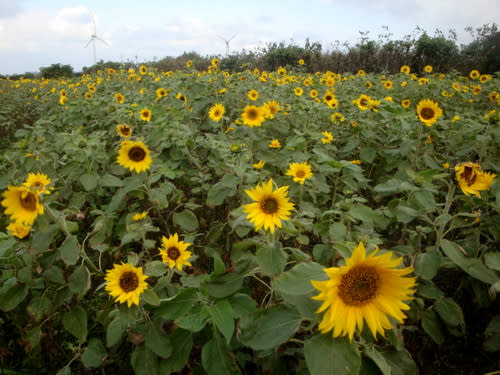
<point x="38" y="33"/>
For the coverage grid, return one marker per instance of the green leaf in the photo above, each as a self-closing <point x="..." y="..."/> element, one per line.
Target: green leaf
<point x="155" y="268"/>
<point x="224" y="285"/>
<point x="69" y="251"/>
<point x="195" y="320"/>
<point x="427" y="264"/>
<point x="89" y="181"/>
<point x="79" y="281"/>
<point x="472" y="266"/>
<point x="180" y="305"/>
<point x="94" y="353"/>
<point x="150" y="297"/>
<point x="75" y="322"/>
<point x="186" y="219"/>
<point x="114" y="332"/>
<point x="144" y="361"/>
<point x="218" y="193"/>
<point x="108" y="180"/>
<point x="492" y="260"/>
<point x="377" y="357"/>
<point x="39" y="307"/>
<point x="326" y="355"/>
<point x="449" y="311"/>
<point x="270" y="328"/>
<point x="183" y="343"/>
<point x="222" y="316"/>
<point x="271" y="260"/>
<point x="242" y="304"/>
<point x="157" y="342"/>
<point x="400" y="362"/>
<point x="492" y="335"/>
<point x="297" y="281"/>
<point x="12" y="295"/>
<point x="432" y="326"/>
<point x="6" y="245"/>
<point x="337" y="232"/>
<point x="362" y="213"/>
<point x="216" y="358"/>
<point x="54" y="274"/>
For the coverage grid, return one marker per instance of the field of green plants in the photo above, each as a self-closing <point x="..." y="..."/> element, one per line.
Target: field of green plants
<point x="208" y="222"/>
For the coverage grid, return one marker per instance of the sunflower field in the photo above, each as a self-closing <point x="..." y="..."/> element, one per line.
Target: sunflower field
<point x="285" y="222"/>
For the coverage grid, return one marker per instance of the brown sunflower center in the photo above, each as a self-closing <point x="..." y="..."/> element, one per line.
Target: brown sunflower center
<point x="129" y="281"/>
<point x="125" y="130"/>
<point x="217" y="113"/>
<point x="29" y="201"/>
<point x="269" y="205"/>
<point x="300" y="174"/>
<point x="359" y="285"/>
<point x="363" y="102"/>
<point x="469" y="175"/>
<point x="252" y="114"/>
<point x="137" y="154"/>
<point x="173" y="253"/>
<point x="427" y="113"/>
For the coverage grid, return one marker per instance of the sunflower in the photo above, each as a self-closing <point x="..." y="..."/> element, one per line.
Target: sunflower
<point x="259" y="165"/>
<point x="124" y="130"/>
<point x="145" y="114"/>
<point x="368" y="288"/>
<point x="181" y="97"/>
<point x="406" y="103"/>
<point x="88" y="95"/>
<point x="37" y="183"/>
<point x="269" y="208"/>
<point x="301" y="62"/>
<point x="472" y="179"/>
<point x="120" y="99"/>
<point x="274" y="144"/>
<point x="428" y="68"/>
<point x="18" y="230"/>
<point x="215" y="61"/>
<point x="189" y="63"/>
<point x="134" y="155"/>
<point x="313" y="93"/>
<point x="160" y="93"/>
<point x="272" y="108"/>
<point x="253" y="116"/>
<point x="253" y="95"/>
<point x="143" y="70"/>
<point x="140" y="216"/>
<point x="22" y="204"/>
<point x="428" y="111"/>
<point x="474" y="74"/>
<point x="337" y="117"/>
<point x="405" y="69"/>
<point x="476" y="90"/>
<point x="362" y="102"/>
<point x="299" y="171"/>
<point x="361" y="73"/>
<point x="298" y="91"/>
<point x="174" y="252"/>
<point x="281" y="71"/>
<point x="327" y="137"/>
<point x="368" y="85"/>
<point x="216" y="112"/>
<point x="125" y="283"/>
<point x="387" y="84"/>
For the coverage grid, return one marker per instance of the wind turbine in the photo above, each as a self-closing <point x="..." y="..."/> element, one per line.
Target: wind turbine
<point x="227" y="42"/>
<point x="93" y="38"/>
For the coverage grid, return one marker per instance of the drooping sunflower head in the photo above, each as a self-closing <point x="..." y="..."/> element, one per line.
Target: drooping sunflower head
<point x="38" y="183"/>
<point x="368" y="288"/>
<point x="124" y="130"/>
<point x="145" y="114"/>
<point x="428" y="111"/>
<point x="270" y="206"/>
<point x="18" y="230"/>
<point x="472" y="179"/>
<point x="174" y="253"/>
<point x="22" y="204"/>
<point x="134" y="155"/>
<point x="252" y="116"/>
<point x="125" y="283"/>
<point x="216" y="112"/>
<point x="299" y="171"/>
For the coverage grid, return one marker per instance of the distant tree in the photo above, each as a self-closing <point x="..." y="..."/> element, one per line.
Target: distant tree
<point x="57" y="71"/>
<point x="437" y="51"/>
<point x="101" y="65"/>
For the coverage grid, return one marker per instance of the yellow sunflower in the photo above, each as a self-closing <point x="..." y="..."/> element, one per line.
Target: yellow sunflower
<point x="124" y="130"/>
<point x="281" y="71"/>
<point x="369" y="288"/>
<point x="125" y="283"/>
<point x="270" y="206"/>
<point x="472" y="179"/>
<point x="272" y="108"/>
<point x="253" y="95"/>
<point x="428" y="111"/>
<point x="145" y="114"/>
<point x="253" y="116"/>
<point x="22" y="204"/>
<point x="37" y="183"/>
<point x="259" y="165"/>
<point x="428" y="68"/>
<point x="387" y="84"/>
<point x="298" y="91"/>
<point x="134" y="155"/>
<point x="160" y="93"/>
<point x="120" y="99"/>
<point x="327" y="137"/>
<point x="216" y="112"/>
<point x="362" y="102"/>
<point x="174" y="252"/>
<point x="140" y="216"/>
<point x="143" y="70"/>
<point x="474" y="74"/>
<point x="18" y="230"/>
<point x="405" y="69"/>
<point x="181" y="97"/>
<point x="406" y="103"/>
<point x="274" y="144"/>
<point x="299" y="171"/>
<point x="301" y="62"/>
<point x="337" y="117"/>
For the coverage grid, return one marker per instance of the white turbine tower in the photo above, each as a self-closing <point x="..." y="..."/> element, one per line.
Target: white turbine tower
<point x="93" y="38"/>
<point x="227" y="42"/>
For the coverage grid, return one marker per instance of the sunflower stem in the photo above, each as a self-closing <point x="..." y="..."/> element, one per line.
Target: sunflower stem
<point x="446" y="210"/>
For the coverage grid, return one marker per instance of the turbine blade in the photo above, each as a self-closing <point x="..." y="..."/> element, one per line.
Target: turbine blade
<point x="90" y="41"/>
<point x="102" y="40"/>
